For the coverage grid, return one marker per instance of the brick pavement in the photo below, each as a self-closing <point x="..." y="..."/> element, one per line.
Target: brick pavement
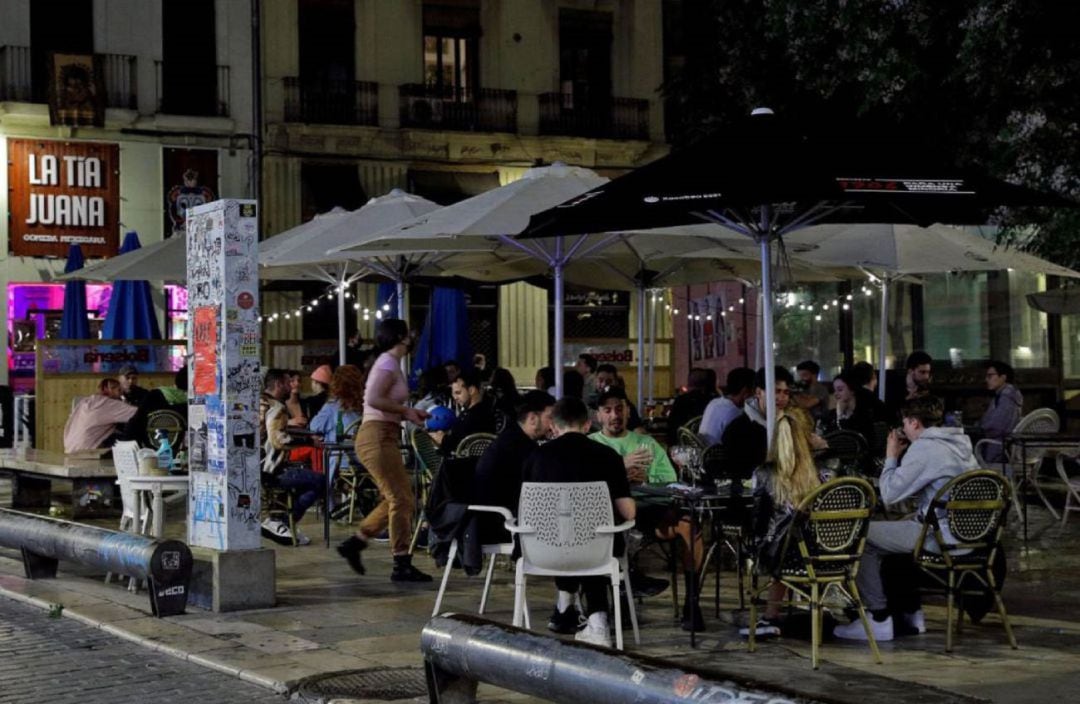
<point x="60" y="660"/>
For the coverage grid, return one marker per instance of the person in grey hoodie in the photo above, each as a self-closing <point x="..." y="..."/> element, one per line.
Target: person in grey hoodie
<point x="919" y="460"/>
<point x="1004" y="411"/>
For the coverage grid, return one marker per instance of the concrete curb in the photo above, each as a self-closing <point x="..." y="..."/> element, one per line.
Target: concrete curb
<point x="277" y="686"/>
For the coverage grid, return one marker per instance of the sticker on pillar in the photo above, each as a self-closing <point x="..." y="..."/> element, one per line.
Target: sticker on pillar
<point x="204" y="339"/>
<point x="245" y="300"/>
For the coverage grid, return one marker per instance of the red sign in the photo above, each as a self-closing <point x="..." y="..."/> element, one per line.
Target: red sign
<point x="63" y="193"/>
<point x="204" y="340"/>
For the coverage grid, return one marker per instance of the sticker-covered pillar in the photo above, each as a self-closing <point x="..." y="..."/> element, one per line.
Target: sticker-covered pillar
<point x="223" y="404"/>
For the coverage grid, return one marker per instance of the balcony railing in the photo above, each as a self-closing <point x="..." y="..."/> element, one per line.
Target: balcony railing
<point x="15" y="75"/>
<point x="610" y="118"/>
<point x="450" y="108"/>
<point x="16" y="78"/>
<point x="331" y="102"/>
<point x="120" y="81"/>
<point x="171" y="100"/>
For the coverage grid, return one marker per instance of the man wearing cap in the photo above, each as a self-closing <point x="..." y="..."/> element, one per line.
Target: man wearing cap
<point x="320" y="387"/>
<point x="130" y="391"/>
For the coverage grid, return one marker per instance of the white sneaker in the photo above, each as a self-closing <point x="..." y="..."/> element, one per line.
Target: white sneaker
<point x="597" y="631"/>
<point x="883" y="630"/>
<point x="916" y="620"/>
<point x="276" y="530"/>
<point x="764" y="629"/>
<point x="301" y="539"/>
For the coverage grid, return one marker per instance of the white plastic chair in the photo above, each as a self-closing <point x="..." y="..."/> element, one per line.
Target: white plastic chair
<point x="491" y="551"/>
<point x="1019" y="464"/>
<point x="567" y="530"/>
<point x="126" y="462"/>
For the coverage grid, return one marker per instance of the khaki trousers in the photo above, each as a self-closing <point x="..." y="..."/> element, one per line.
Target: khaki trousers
<point x="377" y="446"/>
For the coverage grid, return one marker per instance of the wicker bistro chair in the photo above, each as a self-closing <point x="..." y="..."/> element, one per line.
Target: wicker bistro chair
<point x="686" y="436"/>
<point x="1072" y="489"/>
<point x="428" y="463"/>
<point x="474" y="445"/>
<point x="966" y="518"/>
<point x="726" y="521"/>
<point x="1022" y="468"/>
<point x="693" y="425"/>
<point x="352" y="480"/>
<point x="849" y="448"/>
<point x="567" y="530"/>
<point x="821" y="551"/>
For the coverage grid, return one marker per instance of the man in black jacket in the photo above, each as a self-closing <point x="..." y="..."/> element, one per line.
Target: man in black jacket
<point x="498" y="473"/>
<point x="480" y="414"/>
<point x="745" y="439"/>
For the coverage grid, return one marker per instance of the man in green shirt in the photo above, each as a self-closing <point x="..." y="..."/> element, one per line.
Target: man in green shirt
<point x="646" y="461"/>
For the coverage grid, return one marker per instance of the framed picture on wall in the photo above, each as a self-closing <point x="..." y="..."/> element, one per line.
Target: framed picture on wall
<point x="76" y="90"/>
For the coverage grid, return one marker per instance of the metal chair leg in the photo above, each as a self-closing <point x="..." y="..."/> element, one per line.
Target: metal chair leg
<point x="487" y="583"/>
<point x="1001" y="609"/>
<point x="949" y="613"/>
<point x="865" y="620"/>
<point x="815" y="625"/>
<point x="445" y="577"/>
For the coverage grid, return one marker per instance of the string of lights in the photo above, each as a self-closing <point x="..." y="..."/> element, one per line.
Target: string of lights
<point x="794" y="302"/>
<point x="331" y="295"/>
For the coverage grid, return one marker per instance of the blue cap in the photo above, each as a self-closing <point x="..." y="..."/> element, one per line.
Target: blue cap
<point x="441" y="418"/>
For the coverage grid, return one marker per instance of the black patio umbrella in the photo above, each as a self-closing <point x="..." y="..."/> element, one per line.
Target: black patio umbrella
<point x="765" y="177"/>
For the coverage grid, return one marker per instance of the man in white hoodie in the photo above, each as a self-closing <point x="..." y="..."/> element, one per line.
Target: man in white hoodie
<point x="931" y="456"/>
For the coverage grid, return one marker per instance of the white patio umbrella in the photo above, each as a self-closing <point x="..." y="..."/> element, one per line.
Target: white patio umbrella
<point x="889" y="252"/>
<point x="159" y="261"/>
<point x="485" y="222"/>
<point x="300" y="253"/>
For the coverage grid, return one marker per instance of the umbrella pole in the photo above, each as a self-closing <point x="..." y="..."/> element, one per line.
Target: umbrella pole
<point x="767" y="327"/>
<point x="341" y="318"/>
<point x="640" y="344"/>
<point x="652" y="347"/>
<point x="883" y="337"/>
<point x="759" y="346"/>
<point x="558" y="346"/>
<point x="401" y="312"/>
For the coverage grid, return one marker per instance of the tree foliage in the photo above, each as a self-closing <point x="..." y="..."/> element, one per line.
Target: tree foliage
<point x="995" y="82"/>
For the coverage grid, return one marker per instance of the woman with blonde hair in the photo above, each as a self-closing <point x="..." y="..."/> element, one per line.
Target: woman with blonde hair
<point x="780" y="485"/>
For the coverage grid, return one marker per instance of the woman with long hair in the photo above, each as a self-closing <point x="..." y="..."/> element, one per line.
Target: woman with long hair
<point x="343" y="408"/>
<point x="780" y="484"/>
<point x="505" y="391"/>
<point x="377" y="445"/>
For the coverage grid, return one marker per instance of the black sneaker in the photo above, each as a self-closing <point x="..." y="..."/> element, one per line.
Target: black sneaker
<point x="645" y="586"/>
<point x="566" y="622"/>
<point x="350" y="550"/>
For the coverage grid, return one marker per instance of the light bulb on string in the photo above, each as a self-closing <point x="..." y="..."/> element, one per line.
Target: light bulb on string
<point x="356" y="306"/>
<point x="378" y="315"/>
<point x="817" y="317"/>
<point x="386" y="307"/>
<point x="847" y="307"/>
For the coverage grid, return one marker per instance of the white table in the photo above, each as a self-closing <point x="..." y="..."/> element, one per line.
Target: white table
<point x="156" y="486"/>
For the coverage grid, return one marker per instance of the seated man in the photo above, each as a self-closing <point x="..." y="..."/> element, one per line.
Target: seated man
<point x="131" y="392"/>
<point x="700" y="390"/>
<point x="646" y="461"/>
<point x="173" y="398"/>
<point x="745" y="439"/>
<point x="572" y="457"/>
<point x="497" y="481"/>
<point x="1004" y="411"/>
<point x="480" y="413"/>
<point x="308" y="486"/>
<point x="724" y="409"/>
<point x="919" y="460"/>
<point x="94" y="419"/>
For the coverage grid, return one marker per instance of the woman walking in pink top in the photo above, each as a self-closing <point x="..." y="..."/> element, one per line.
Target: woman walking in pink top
<point x="377" y="446"/>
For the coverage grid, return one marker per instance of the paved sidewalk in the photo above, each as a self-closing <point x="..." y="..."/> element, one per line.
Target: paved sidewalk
<point x="329" y="619"/>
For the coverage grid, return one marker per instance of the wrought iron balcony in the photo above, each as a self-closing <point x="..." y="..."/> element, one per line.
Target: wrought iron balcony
<point x="17" y="84"/>
<point x="607" y="118"/>
<point x="450" y="108"/>
<point x="331" y="102"/>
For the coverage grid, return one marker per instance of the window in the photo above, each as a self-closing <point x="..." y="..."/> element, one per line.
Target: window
<point x="584" y="58"/>
<point x="327" y="43"/>
<point x="451" y="44"/>
<point x="188" y="80"/>
<point x="63" y="26"/>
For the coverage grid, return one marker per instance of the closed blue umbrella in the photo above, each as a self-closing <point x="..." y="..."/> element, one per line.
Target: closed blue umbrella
<point x="446" y="332"/>
<point x="73" y="324"/>
<point x="385" y="296"/>
<point x="131" y="313"/>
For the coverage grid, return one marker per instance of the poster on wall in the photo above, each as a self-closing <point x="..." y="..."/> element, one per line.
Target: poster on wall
<point x="191" y="178"/>
<point x="204" y="340"/>
<point x="76" y="90"/>
<point x="63" y="193"/>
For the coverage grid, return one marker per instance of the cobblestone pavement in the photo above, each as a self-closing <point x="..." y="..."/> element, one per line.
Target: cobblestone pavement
<point x="59" y="660"/>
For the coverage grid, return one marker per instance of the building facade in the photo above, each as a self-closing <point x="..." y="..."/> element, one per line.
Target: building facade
<point x="115" y="115"/>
